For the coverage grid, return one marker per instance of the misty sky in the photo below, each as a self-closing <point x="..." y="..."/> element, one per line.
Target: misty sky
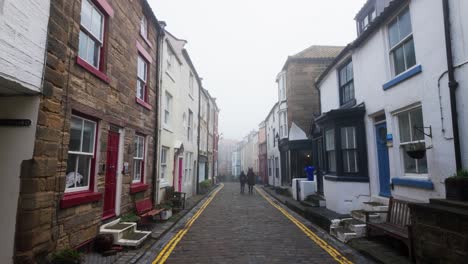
<point x="239" y="46"/>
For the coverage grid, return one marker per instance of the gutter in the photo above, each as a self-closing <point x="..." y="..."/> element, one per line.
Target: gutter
<point x="156" y="160"/>
<point x="452" y="84"/>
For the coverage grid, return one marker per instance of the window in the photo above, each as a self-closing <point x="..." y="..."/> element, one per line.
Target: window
<point x="144" y="27"/>
<point x="91" y="38"/>
<point x="349" y="149"/>
<point x="366" y="20"/>
<point x="276" y="167"/>
<point x="80" y="154"/>
<point x="170" y="61"/>
<point x="191" y="80"/>
<point x="269" y="167"/>
<point x="346" y="83"/>
<point x="188" y="166"/>
<point x="411" y="126"/>
<point x="282" y="87"/>
<point x="167" y="109"/>
<point x="401" y="42"/>
<point x="163" y="169"/>
<point x="330" y="149"/>
<point x="283" y="125"/>
<point x="190" y="127"/>
<point x="274" y="137"/>
<point x="139" y="159"/>
<point x="142" y="73"/>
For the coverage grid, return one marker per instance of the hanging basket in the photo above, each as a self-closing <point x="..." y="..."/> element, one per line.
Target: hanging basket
<point x="415" y="150"/>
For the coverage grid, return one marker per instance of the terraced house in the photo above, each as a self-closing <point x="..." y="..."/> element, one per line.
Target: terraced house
<point x="96" y="127"/>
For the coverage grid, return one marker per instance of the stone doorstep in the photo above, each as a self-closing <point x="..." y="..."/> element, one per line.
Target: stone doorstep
<point x="124" y="233"/>
<point x="373" y="218"/>
<point x="343" y="234"/>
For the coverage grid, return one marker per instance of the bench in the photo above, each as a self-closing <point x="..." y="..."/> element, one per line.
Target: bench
<point x="145" y="210"/>
<point x="396" y="225"/>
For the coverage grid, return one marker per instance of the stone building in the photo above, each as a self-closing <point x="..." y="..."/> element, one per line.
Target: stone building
<point x="93" y="152"/>
<point x="298" y="100"/>
<point x="226" y="149"/>
<point x="22" y="64"/>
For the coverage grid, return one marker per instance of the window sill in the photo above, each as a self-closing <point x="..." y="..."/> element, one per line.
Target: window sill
<point x="146" y="41"/>
<point x="78" y="198"/>
<point x="92" y="70"/>
<point x="143" y="103"/>
<point x="138" y="187"/>
<point x="414" y="183"/>
<point x="346" y="178"/>
<point x="402" y="77"/>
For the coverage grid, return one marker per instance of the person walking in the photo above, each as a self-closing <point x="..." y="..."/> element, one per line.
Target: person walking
<point x="251" y="179"/>
<point x="243" y="180"/>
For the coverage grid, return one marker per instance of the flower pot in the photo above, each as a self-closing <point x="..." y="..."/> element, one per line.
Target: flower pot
<point x="166" y="214"/>
<point x="456" y="188"/>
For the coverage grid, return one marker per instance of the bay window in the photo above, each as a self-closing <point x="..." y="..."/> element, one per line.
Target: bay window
<point x="330" y="150"/>
<point x="139" y="159"/>
<point x="400" y="35"/>
<point x="81" y="151"/>
<point x="349" y="149"/>
<point x="410" y="127"/>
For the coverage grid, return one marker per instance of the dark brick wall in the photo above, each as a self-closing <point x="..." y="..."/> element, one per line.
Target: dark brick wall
<point x="42" y="226"/>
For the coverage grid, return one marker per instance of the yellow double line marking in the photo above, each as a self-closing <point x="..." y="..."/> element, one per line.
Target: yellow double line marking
<point x="169" y="247"/>
<point x="320" y="242"/>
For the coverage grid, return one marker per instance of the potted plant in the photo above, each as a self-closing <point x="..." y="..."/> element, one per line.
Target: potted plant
<point x="456" y="186"/>
<point x="66" y="256"/>
<point x="415" y="150"/>
<point x="205" y="186"/>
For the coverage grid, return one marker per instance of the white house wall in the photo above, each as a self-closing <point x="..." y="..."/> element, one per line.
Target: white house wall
<point x="23" y="37"/>
<point x="372" y="69"/>
<point x="272" y="148"/>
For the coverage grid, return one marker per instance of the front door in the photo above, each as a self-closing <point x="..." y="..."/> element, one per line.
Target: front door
<point x="382" y="154"/>
<point x="111" y="175"/>
<point x="181" y="169"/>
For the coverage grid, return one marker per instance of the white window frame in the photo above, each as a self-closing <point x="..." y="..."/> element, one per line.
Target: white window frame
<point x="139" y="155"/>
<point x="190" y="126"/>
<point x="346" y="147"/>
<point x="144" y="27"/>
<point x="167" y="109"/>
<point x="402" y="144"/>
<point x="91" y="37"/>
<point x="191" y="83"/>
<point x="82" y="153"/>
<point x="401" y="43"/>
<point x="330" y="149"/>
<point x="163" y="162"/>
<point x="142" y="79"/>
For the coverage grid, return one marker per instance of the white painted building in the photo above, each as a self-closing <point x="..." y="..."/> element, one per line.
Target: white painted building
<point x="387" y="94"/>
<point x="178" y="150"/>
<point x="23" y="36"/>
<point x="273" y="153"/>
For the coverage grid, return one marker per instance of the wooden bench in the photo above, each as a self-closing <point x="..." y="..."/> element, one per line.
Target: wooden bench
<point x="396" y="225"/>
<point x="145" y="210"/>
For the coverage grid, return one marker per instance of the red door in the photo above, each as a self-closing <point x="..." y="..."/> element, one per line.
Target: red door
<point x="181" y="162"/>
<point x="111" y="175"/>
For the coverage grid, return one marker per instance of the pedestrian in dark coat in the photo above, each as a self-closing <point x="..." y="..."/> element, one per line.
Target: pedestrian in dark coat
<point x="243" y="180"/>
<point x="251" y="179"/>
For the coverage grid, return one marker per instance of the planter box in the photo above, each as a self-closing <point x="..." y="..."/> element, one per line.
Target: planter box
<point x="456" y="188"/>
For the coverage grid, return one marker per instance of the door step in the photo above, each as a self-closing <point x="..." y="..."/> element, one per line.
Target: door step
<point x="347" y="229"/>
<point x="314" y="200"/>
<point x="124" y="233"/>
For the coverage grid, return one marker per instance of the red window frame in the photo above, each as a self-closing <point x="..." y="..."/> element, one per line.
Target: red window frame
<point x="71" y="199"/>
<point x="99" y="72"/>
<point x="139" y="186"/>
<point x="143" y="54"/>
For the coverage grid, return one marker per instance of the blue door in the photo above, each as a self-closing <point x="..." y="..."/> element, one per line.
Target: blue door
<point x="382" y="153"/>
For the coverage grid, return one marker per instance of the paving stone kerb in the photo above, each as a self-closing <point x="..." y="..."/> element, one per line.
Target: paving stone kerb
<point x="238" y="228"/>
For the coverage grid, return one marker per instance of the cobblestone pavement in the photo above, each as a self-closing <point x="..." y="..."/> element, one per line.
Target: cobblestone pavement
<point x="246" y="228"/>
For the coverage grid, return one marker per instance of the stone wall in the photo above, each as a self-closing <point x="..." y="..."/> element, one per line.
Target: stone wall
<point x="42" y="224"/>
<point x="303" y="97"/>
<point x="440" y="231"/>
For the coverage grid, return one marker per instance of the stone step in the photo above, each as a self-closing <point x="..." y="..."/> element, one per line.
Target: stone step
<point x="355" y="225"/>
<point x="124" y="233"/>
<point x="316" y="199"/>
<point x="375" y="206"/>
<point x="343" y="234"/>
<point x="361" y="216"/>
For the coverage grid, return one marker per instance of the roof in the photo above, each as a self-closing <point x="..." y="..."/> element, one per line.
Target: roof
<point x="273" y="108"/>
<point x="375" y="25"/>
<point x="313" y="54"/>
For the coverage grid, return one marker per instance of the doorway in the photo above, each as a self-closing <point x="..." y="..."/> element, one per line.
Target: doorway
<point x="111" y="174"/>
<point x="382" y="155"/>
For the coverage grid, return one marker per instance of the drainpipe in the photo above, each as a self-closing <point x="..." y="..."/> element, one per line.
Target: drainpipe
<point x="453" y="84"/>
<point x="198" y="136"/>
<point x="156" y="160"/>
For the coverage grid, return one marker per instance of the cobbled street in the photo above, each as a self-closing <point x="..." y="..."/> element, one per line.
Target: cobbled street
<point x="246" y="228"/>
